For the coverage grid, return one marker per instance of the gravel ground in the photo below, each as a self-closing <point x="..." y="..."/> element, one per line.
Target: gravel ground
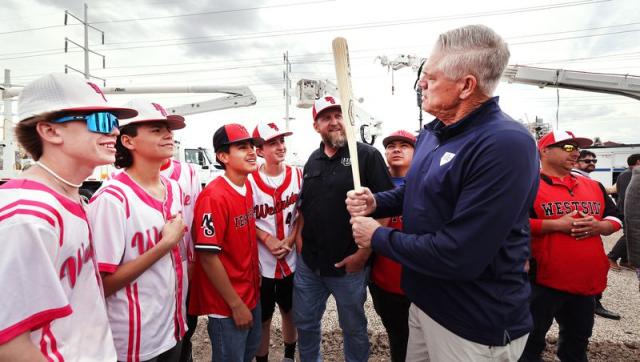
<point x="611" y="340"/>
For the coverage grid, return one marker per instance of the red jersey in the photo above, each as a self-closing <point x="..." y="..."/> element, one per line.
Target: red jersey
<point x="224" y="224"/>
<point x="385" y="272"/>
<point x="559" y="260"/>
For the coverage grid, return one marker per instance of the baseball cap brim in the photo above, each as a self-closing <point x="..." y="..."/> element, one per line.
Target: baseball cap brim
<point x="121" y="113"/>
<point x="281" y="134"/>
<point x="580" y="141"/>
<point x="174" y="121"/>
<point x="333" y="106"/>
<point x="390" y="139"/>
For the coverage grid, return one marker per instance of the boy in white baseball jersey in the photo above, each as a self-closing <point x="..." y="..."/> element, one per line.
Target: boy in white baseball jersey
<point x="52" y="303"/>
<point x="186" y="176"/>
<point x="276" y="187"/>
<point x="138" y="232"/>
<point x="226" y="275"/>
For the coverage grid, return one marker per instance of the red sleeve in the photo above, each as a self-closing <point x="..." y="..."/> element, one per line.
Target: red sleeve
<point x="209" y="224"/>
<point x="536" y="226"/>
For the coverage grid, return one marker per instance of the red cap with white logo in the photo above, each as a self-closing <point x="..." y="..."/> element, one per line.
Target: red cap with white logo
<point x="266" y="131"/>
<point x="60" y="93"/>
<point x="400" y="135"/>
<point x="229" y="134"/>
<point x="557" y="137"/>
<point x="152" y="112"/>
<point x="322" y="104"/>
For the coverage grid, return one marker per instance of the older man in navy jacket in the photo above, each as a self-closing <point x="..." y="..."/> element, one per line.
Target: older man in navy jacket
<point x="466" y="212"/>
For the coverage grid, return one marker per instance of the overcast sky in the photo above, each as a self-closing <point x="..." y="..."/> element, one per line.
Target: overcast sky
<point x="241" y="42"/>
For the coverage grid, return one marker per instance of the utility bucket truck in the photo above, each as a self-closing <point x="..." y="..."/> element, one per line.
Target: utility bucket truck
<point x="13" y="161"/>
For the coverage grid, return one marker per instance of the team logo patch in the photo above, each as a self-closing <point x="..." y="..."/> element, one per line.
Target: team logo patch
<point x="207" y="225"/>
<point x="346" y="161"/>
<point x="97" y="89"/>
<point x="448" y="156"/>
<point x="160" y="109"/>
<point x="273" y="126"/>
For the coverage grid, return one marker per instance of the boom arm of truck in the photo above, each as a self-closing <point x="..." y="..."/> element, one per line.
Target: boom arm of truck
<point x="236" y="97"/>
<point x="620" y="84"/>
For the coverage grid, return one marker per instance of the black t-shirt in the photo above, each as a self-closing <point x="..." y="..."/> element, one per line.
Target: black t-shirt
<point x="326" y="234"/>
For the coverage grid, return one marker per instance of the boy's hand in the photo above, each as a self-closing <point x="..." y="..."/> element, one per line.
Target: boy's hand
<point x="172" y="232"/>
<point x="276" y="247"/>
<point x="242" y="316"/>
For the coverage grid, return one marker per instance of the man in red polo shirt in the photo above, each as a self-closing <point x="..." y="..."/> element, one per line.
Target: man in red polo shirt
<point x="568" y="264"/>
<point x="389" y="300"/>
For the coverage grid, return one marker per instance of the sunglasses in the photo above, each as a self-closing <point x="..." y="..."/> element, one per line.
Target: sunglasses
<point x="567" y="147"/>
<point x="99" y="122"/>
<point x="594" y="161"/>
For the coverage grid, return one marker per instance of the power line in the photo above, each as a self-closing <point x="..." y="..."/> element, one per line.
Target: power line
<point x="174" y="16"/>
<point x="325" y="29"/>
<point x="301" y="31"/>
<point x="33" y="29"/>
<point x="212" y="12"/>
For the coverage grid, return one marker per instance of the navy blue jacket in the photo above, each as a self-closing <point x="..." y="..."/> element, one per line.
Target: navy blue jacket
<point x="465" y="207"/>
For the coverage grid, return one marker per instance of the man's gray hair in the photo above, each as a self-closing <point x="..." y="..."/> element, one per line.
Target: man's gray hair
<point x="476" y="50"/>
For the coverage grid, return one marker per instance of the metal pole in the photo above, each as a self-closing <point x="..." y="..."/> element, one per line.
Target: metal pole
<point x="286" y="89"/>
<point x="8" y="151"/>
<point x="86" y="42"/>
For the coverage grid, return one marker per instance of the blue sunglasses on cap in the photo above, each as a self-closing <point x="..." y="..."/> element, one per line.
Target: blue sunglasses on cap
<point x="99" y="122"/>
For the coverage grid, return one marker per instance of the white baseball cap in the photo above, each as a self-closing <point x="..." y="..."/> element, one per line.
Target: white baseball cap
<point x="266" y="131"/>
<point x="322" y="104"/>
<point x="149" y="112"/>
<point x="560" y="136"/>
<point x="60" y="93"/>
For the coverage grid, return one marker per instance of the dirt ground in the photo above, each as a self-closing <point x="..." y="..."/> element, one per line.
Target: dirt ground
<point x="605" y="351"/>
<point x="611" y="340"/>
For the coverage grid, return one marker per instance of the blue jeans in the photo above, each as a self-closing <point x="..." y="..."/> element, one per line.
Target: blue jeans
<point x="310" y="293"/>
<point x="230" y="344"/>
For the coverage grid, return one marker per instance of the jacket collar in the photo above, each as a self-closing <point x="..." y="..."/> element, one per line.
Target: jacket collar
<point x="443" y="132"/>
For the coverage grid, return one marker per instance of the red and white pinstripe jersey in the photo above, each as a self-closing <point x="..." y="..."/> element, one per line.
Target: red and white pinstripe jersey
<point x="275" y="211"/>
<point x="147" y="316"/>
<point x="186" y="176"/>
<point x="48" y="273"/>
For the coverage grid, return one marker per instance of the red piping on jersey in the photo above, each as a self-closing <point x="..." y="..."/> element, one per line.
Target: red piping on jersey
<point x="46" y="332"/>
<point x="36" y="213"/>
<point x="177" y="170"/>
<point x="166" y="165"/>
<point x="134" y="330"/>
<point x="118" y="193"/>
<point x="138" y="320"/>
<point x="142" y="194"/>
<point x="282" y="268"/>
<point x="32" y="322"/>
<point x="107" y="268"/>
<point x="68" y="204"/>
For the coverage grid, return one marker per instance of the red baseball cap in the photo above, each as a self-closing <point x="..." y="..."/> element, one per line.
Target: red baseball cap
<point x="230" y="133"/>
<point x="322" y="104"/>
<point x="557" y="136"/>
<point x="266" y="131"/>
<point x="400" y="135"/>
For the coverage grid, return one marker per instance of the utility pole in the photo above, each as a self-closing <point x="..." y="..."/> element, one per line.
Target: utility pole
<point x="85" y="47"/>
<point x="8" y="150"/>
<point x="287" y="88"/>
